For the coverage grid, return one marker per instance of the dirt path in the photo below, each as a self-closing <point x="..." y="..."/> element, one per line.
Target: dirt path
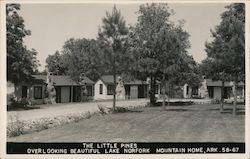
<point x="196" y="123"/>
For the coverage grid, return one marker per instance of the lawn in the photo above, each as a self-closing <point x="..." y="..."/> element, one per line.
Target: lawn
<point x="193" y="123"/>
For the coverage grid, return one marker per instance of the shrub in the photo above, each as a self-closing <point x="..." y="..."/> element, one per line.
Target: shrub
<point x="87" y="115"/>
<point x="16" y="127"/>
<point x="87" y="98"/>
<point x="215" y="101"/>
<point x="121" y="109"/>
<point x="76" y="118"/>
<point x="103" y="109"/>
<point x="19" y="104"/>
<point x="147" y="104"/>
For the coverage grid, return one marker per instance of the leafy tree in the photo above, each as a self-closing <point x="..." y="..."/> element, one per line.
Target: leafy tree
<point x="55" y="64"/>
<point x="159" y="48"/>
<point x="171" y="55"/>
<point x="21" y="62"/>
<point x="227" y="50"/>
<point x="112" y="36"/>
<point x="191" y="72"/>
<point x="143" y="40"/>
<point x="82" y="56"/>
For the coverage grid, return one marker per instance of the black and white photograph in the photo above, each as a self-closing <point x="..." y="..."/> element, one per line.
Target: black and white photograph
<point x="112" y="79"/>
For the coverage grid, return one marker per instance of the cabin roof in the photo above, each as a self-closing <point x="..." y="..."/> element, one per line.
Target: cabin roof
<point x="61" y="80"/>
<point x="108" y="79"/>
<point x="210" y="82"/>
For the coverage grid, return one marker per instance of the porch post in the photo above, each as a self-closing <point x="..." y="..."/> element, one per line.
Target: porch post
<point x="71" y="99"/>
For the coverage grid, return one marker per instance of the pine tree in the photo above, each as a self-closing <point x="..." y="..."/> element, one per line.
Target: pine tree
<point x="112" y="36"/>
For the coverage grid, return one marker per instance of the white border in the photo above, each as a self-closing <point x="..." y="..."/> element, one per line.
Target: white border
<point x="3" y="84"/>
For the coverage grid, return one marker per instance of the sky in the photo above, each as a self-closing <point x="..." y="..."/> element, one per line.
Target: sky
<point x="52" y="24"/>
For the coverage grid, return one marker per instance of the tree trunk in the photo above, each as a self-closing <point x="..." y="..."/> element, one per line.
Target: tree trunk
<point x="71" y="90"/>
<point x="81" y="94"/>
<point x="235" y="97"/>
<point x="114" y="92"/>
<point x="222" y="96"/>
<point x="152" y="92"/>
<point x="164" y="93"/>
<point x="168" y="94"/>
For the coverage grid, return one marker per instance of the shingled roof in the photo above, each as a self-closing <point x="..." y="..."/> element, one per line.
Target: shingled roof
<point x="61" y="80"/>
<point x="108" y="79"/>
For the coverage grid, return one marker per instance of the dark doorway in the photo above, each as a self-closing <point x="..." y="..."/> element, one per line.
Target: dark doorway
<point x="24" y="91"/>
<point x="58" y="94"/>
<point x="227" y="92"/>
<point x="210" y="91"/>
<point x="141" y="91"/>
<point x="127" y="91"/>
<point x="76" y="94"/>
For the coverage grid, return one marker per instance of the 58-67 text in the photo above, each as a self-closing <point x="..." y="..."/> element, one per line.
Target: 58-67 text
<point x="230" y="149"/>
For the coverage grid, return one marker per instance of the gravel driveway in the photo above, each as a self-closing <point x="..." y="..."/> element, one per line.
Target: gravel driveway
<point x="68" y="108"/>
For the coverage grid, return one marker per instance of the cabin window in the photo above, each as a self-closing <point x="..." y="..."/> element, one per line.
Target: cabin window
<point x="110" y="90"/>
<point x="101" y="89"/>
<point x="195" y="91"/>
<point x="38" y="92"/>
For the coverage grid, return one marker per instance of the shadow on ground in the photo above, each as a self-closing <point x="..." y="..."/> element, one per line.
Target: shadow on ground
<point x="23" y="108"/>
<point x="179" y="110"/>
<point x="135" y="111"/>
<point x="177" y="103"/>
<point x="240" y="111"/>
<point x="226" y="109"/>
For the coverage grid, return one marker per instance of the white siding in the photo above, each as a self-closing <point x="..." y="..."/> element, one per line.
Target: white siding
<point x="104" y="95"/>
<point x="185" y="91"/>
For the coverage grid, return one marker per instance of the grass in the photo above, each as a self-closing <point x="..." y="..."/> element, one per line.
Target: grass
<point x="190" y="123"/>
